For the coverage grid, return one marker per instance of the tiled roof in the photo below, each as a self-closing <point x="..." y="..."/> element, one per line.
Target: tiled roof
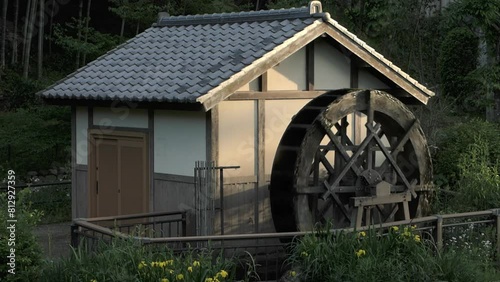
<point x="181" y="58"/>
<point x="204" y="58"/>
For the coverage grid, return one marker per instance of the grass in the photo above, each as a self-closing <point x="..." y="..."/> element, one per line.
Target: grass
<point x="401" y="254"/>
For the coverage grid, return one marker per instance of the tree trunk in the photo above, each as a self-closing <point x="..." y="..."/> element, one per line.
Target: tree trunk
<point x="87" y="20"/>
<point x="51" y="26"/>
<point x="122" y="28"/>
<point x="13" y="59"/>
<point x="79" y="27"/>
<point x="137" y="28"/>
<point x="40" y="38"/>
<point x="4" y="29"/>
<point x="25" y="29"/>
<point x="29" y="36"/>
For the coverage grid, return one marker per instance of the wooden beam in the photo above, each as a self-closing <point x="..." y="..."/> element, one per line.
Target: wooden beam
<point x="310" y="66"/>
<point x="259" y="66"/>
<point x="261" y="157"/>
<point x="151" y="149"/>
<point x="275" y="95"/>
<point x="264" y="82"/>
<point x="74" y="180"/>
<point x="214" y="134"/>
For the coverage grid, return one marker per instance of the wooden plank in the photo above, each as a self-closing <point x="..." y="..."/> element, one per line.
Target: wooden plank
<point x="122" y="128"/>
<point x="380" y="200"/>
<point x="151" y="152"/>
<point x="261" y="157"/>
<point x="214" y="134"/>
<point x="240" y="179"/>
<point x="90" y="116"/>
<point x="165" y="105"/>
<point x="310" y="66"/>
<point x="275" y="95"/>
<point x="264" y="82"/>
<point x="259" y="66"/>
<point x="74" y="199"/>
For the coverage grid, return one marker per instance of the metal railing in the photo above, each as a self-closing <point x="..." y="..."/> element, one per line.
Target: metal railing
<point x="270" y="250"/>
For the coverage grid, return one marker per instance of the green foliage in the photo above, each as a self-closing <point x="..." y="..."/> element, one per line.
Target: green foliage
<point x="53" y="202"/>
<point x="399" y="255"/>
<point x="129" y="261"/>
<point x="459" y="56"/>
<point x="27" y="251"/>
<point x="97" y="43"/>
<point x="17" y="91"/>
<point x="137" y="11"/>
<point x="34" y="139"/>
<point x="454" y="144"/>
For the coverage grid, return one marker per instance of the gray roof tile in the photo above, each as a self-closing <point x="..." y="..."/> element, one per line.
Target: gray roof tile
<point x="182" y="58"/>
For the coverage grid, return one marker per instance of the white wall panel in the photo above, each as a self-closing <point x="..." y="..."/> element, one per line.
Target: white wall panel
<point x="179" y="141"/>
<point x="367" y="80"/>
<point x="82" y="122"/>
<point x="237" y="136"/>
<point x="120" y="116"/>
<point x="332" y="70"/>
<point x="251" y="86"/>
<point x="290" y="74"/>
<point x="278" y="115"/>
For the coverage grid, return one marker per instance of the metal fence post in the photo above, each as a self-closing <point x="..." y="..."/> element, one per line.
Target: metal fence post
<point x="184" y="224"/>
<point x="439" y="232"/>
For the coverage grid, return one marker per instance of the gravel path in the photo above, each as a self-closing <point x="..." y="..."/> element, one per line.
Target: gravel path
<point x="54" y="239"/>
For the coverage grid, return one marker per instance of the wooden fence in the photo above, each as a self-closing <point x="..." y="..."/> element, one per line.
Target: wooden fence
<point x="269" y="250"/>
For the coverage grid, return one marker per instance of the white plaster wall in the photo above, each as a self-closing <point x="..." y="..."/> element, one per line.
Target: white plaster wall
<point x="82" y="122"/>
<point x="110" y="117"/>
<point x="278" y="114"/>
<point x="367" y="80"/>
<point x="251" y="86"/>
<point x="237" y="136"/>
<point x="179" y="141"/>
<point x="332" y="70"/>
<point x="290" y="74"/>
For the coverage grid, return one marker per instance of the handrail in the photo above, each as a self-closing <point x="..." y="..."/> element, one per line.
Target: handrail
<point x="131" y="216"/>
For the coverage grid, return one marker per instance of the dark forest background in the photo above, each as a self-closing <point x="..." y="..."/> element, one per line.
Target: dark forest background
<point x="452" y="47"/>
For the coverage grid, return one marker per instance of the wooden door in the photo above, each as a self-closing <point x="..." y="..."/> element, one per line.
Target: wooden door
<point x="118" y="173"/>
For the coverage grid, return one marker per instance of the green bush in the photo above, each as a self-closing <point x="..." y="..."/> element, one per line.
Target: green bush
<point x="35" y="138"/>
<point x="454" y="144"/>
<point x="27" y="251"/>
<point x="124" y="260"/>
<point x="399" y="255"/>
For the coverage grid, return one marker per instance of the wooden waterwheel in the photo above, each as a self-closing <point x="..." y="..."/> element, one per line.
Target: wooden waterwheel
<point x="327" y="170"/>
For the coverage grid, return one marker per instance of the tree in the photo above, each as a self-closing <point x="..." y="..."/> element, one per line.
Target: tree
<point x="4" y="30"/>
<point x="40" y="38"/>
<point x="87" y="20"/>
<point x="29" y="36"/>
<point x="79" y="31"/>
<point x="14" y="39"/>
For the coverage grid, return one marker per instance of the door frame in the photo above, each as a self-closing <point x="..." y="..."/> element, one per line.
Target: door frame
<point x="96" y="134"/>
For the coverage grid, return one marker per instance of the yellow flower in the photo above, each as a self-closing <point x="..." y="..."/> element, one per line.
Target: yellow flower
<point x="170" y="271"/>
<point x="417" y="238"/>
<point x="180" y="277"/>
<point x="165" y="280"/>
<point x="413" y="227"/>
<point x="93" y="280"/>
<point x="394" y="228"/>
<point x="304" y="254"/>
<point x="142" y="264"/>
<point x="293" y="273"/>
<point x="362" y="234"/>
<point x="209" y="279"/>
<point x="223" y="273"/>
<point x="360" y="253"/>
<point x="190" y="269"/>
<point x="196" y="263"/>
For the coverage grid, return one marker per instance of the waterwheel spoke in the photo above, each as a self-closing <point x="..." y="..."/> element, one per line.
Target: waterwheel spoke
<point x="340" y="148"/>
<point x="392" y="161"/>
<point x="399" y="147"/>
<point x="331" y="188"/>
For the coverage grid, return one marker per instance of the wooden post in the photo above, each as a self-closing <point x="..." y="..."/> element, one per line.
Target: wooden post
<point x="496" y="213"/>
<point x="439" y="232"/>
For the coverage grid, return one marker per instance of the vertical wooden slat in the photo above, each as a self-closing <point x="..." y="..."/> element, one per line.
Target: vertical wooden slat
<point x="261" y="157"/>
<point x="264" y="82"/>
<point x="74" y="179"/>
<point x="310" y="66"/>
<point x="439" y="232"/>
<point x="151" y="149"/>
<point x="497" y="216"/>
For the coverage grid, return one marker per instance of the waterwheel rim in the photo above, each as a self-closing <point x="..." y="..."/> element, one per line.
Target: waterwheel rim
<point x="300" y="198"/>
